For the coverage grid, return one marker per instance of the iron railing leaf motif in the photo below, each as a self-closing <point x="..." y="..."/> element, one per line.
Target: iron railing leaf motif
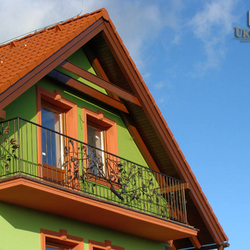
<point x="8" y="147"/>
<point x="89" y="170"/>
<point x="135" y="182"/>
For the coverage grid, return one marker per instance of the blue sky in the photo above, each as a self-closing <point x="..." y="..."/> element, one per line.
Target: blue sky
<point x="198" y="75"/>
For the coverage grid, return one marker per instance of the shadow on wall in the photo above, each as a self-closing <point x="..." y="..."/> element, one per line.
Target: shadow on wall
<point x="32" y="221"/>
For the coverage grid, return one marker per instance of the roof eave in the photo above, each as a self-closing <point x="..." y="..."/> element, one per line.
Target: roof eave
<point x="154" y="115"/>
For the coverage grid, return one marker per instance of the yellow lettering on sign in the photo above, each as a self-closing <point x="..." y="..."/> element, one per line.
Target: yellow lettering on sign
<point x="237" y="32"/>
<point x="245" y="33"/>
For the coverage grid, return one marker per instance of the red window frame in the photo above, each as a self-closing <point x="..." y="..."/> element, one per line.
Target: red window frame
<point x="60" y="239"/>
<point x="103" y="122"/>
<point x="62" y="105"/>
<point x="110" y="127"/>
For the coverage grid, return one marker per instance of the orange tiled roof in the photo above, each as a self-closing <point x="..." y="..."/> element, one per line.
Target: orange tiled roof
<point x="20" y="56"/>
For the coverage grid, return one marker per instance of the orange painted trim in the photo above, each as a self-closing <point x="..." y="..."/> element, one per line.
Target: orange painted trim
<point x="195" y="242"/>
<point x="62" y="237"/>
<point x="28" y="193"/>
<point x="107" y="245"/>
<point x="98" y="69"/>
<point x="58" y="95"/>
<point x="89" y="91"/>
<point x="99" y="81"/>
<point x="109" y="125"/>
<point x="52" y="173"/>
<point x="68" y="106"/>
<point x="172" y="247"/>
<point x="70" y="110"/>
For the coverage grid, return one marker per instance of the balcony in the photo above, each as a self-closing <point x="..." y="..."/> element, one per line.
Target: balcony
<point x="36" y="161"/>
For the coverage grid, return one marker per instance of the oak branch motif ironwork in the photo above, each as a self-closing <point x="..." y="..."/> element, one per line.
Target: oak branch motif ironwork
<point x="129" y="182"/>
<point x="8" y="147"/>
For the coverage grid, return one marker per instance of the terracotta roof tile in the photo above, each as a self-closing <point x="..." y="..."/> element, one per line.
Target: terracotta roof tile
<point x="20" y="56"/>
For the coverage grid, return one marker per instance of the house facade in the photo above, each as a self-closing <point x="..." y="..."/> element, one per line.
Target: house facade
<point x="86" y="159"/>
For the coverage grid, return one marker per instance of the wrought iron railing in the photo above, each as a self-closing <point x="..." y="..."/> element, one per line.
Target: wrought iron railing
<point x="32" y="150"/>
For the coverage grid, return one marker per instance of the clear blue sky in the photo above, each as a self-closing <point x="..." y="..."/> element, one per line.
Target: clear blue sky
<point x="198" y="75"/>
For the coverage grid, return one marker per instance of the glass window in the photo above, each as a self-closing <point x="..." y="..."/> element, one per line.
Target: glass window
<point x="96" y="139"/>
<point x="51" y="142"/>
<point x="100" y="133"/>
<point x="51" y="240"/>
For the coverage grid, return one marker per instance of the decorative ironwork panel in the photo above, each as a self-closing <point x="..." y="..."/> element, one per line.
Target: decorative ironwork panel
<point x="87" y="169"/>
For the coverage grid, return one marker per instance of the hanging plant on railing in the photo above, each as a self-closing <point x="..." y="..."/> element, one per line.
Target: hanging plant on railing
<point x="8" y="147"/>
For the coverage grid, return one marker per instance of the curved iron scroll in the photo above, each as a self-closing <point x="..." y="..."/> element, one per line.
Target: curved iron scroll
<point x="129" y="182"/>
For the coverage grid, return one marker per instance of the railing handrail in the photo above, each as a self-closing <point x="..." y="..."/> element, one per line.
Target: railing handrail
<point x="69" y="162"/>
<point x="76" y="140"/>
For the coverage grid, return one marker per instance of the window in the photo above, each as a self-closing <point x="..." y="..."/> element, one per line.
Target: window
<point x="101" y="135"/>
<point x="51" y="240"/>
<point x="95" y="136"/>
<point x="96" y="139"/>
<point x="52" y="143"/>
<point x="56" y="114"/>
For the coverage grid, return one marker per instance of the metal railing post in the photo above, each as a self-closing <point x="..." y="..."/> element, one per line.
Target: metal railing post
<point x="18" y="136"/>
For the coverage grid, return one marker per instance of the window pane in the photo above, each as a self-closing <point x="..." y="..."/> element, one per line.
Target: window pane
<point x="91" y="136"/>
<point x="95" y="139"/>
<point x="51" y="142"/>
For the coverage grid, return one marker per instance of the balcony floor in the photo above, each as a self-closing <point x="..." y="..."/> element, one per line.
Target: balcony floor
<point x="51" y="198"/>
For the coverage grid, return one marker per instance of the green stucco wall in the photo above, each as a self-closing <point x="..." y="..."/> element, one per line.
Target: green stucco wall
<point x="20" y="229"/>
<point x="25" y="107"/>
<point x="80" y="59"/>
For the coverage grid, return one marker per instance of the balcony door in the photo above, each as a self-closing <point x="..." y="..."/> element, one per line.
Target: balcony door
<point x="96" y="142"/>
<point x="100" y="134"/>
<point x="55" y="113"/>
<point x="52" y="143"/>
<point x="53" y="119"/>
